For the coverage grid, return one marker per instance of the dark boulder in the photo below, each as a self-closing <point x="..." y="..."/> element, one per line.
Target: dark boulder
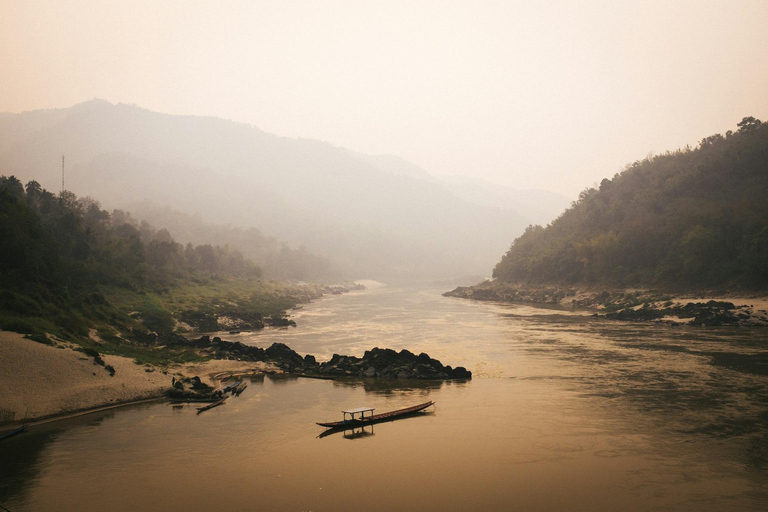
<point x="461" y="373"/>
<point x="375" y="363"/>
<point x="387" y="363"/>
<point x="282" y="353"/>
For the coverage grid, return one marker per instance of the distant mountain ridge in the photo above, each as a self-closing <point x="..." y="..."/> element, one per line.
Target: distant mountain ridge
<point x="537" y="206"/>
<point x="368" y="221"/>
<point x="277" y="260"/>
<point x="692" y="218"/>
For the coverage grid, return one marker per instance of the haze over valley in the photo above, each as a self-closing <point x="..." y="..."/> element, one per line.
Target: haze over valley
<point x="376" y="217"/>
<point x="406" y="255"/>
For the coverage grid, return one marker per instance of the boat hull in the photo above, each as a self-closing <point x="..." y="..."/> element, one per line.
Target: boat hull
<point x="19" y="430"/>
<point x="378" y="418"/>
<point x="211" y="406"/>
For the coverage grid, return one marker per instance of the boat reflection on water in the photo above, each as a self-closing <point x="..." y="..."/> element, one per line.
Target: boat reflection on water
<point x="362" y="420"/>
<point x="350" y="433"/>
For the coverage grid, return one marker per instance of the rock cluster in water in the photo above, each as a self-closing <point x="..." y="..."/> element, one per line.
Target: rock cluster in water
<point x="235" y="317"/>
<point x="712" y="313"/>
<point x="386" y="363"/>
<point x="627" y="305"/>
<point x="375" y="363"/>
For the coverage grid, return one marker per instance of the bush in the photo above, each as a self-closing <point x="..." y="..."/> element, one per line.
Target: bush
<point x="156" y="318"/>
<point x="94" y="354"/>
<point x="40" y="338"/>
<point x="90" y="352"/>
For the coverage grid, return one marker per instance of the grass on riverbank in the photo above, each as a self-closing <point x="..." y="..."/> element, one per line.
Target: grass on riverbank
<point x="134" y="323"/>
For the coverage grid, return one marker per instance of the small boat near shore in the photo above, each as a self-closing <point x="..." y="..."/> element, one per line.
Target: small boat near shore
<point x="206" y="400"/>
<point x="239" y="389"/>
<point x="211" y="406"/>
<point x="358" y="416"/>
<point x="13" y="432"/>
<point x="232" y="387"/>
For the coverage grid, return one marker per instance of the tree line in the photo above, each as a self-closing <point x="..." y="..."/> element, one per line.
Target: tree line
<point x="277" y="260"/>
<point x="60" y="253"/>
<point x="69" y="241"/>
<point x="691" y="218"/>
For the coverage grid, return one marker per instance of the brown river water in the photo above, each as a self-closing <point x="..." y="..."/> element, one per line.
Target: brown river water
<point x="565" y="412"/>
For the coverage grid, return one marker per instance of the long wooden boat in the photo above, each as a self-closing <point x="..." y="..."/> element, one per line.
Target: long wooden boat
<point x="211" y="406"/>
<point x="13" y="432"/>
<point x="177" y="401"/>
<point x="374" y="418"/>
<point x="232" y="387"/>
<point x="239" y="389"/>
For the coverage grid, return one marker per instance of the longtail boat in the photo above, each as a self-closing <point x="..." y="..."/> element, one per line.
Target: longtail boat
<point x="232" y="387"/>
<point x="211" y="406"/>
<point x="362" y="419"/>
<point x="13" y="432"/>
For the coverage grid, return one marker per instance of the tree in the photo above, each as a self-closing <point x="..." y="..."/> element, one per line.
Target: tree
<point x="749" y="124"/>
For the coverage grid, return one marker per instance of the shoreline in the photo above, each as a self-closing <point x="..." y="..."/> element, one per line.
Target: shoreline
<point x="78" y="413"/>
<point x="41" y="383"/>
<point x="715" y="308"/>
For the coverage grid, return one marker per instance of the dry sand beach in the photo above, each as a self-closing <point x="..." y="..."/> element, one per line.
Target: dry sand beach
<point x="41" y="381"/>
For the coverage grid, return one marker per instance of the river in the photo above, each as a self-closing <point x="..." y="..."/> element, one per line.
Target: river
<point x="565" y="412"/>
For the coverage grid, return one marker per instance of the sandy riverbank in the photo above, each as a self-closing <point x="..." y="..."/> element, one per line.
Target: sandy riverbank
<point x="39" y="381"/>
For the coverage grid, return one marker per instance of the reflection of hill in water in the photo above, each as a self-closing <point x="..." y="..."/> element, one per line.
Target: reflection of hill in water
<point x="392" y="386"/>
<point x="21" y="457"/>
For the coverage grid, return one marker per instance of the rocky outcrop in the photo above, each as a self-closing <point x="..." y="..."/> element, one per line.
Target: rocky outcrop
<point x="492" y="291"/>
<point x="375" y="363"/>
<point x="387" y="363"/>
<point x="285" y="356"/>
<point x="712" y="313"/>
<point x="279" y="321"/>
<point x="192" y="389"/>
<point x="236" y="317"/>
<point x="626" y="305"/>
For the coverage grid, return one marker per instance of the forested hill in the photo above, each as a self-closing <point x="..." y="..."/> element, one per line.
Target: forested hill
<point x="691" y="218"/>
<point x="68" y="267"/>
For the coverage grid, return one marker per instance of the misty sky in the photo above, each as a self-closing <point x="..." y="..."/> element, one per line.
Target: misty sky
<point x="554" y="95"/>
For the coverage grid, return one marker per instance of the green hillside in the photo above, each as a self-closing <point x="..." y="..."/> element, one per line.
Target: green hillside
<point x="691" y="218"/>
<point x="71" y="269"/>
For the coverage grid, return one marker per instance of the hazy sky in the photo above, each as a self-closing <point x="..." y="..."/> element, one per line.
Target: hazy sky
<point x="550" y="94"/>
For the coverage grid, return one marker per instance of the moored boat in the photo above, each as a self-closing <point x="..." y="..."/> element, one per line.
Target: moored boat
<point x="362" y="419"/>
<point x="211" y="406"/>
<point x="13" y="432"/>
<point x="232" y="387"/>
<point x="239" y="389"/>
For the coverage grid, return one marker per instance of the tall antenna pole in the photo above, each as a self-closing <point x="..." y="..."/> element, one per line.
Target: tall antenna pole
<point x="62" y="173"/>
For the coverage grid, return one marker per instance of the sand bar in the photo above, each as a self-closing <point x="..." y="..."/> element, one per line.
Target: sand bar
<point x="39" y="381"/>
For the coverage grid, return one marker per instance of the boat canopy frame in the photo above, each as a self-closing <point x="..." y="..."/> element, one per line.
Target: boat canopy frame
<point x="358" y="410"/>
